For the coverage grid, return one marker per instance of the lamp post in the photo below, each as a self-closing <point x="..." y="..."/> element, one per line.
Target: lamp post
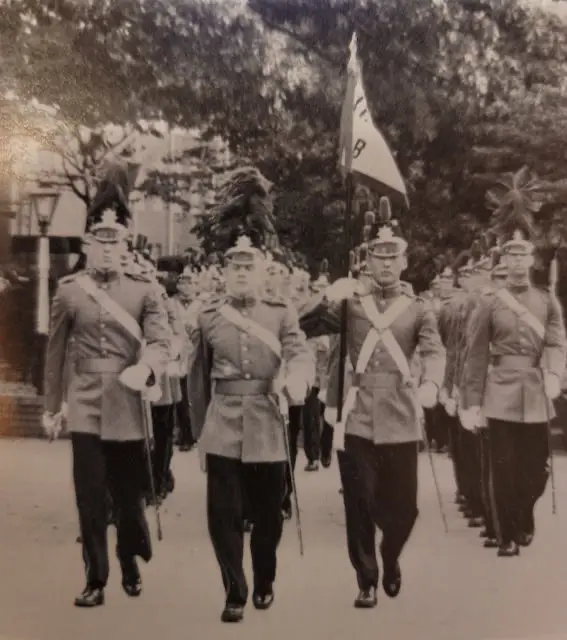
<point x="43" y="204"/>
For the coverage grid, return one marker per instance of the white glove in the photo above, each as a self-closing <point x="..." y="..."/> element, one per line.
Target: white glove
<point x="443" y="396"/>
<point x="296" y="389"/>
<point x="64" y="410"/>
<point x="341" y="289"/>
<point x="136" y="377"/>
<point x="427" y="395"/>
<point x="51" y="425"/>
<point x="152" y="394"/>
<point x="552" y="385"/>
<point x="175" y="347"/>
<point x="331" y="415"/>
<point x="451" y="407"/>
<point x="471" y="419"/>
<point x="174" y="369"/>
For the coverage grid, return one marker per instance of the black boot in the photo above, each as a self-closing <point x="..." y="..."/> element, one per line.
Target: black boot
<point x="131" y="578"/>
<point x="263" y="598"/>
<point x="508" y="550"/>
<point x="232" y="613"/>
<point x="392" y="580"/>
<point x="90" y="597"/>
<point x="366" y="599"/>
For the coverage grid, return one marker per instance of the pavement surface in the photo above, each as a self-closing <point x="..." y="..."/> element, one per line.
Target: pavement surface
<point x="453" y="588"/>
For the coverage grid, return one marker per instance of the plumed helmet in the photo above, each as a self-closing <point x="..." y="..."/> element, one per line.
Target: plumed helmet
<point x="109" y="214"/>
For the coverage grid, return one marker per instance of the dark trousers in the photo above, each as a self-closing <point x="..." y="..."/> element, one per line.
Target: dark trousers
<point x="436" y="426"/>
<point x="228" y="481"/>
<point x="185" y="434"/>
<point x="308" y="417"/>
<point x="455" y="449"/>
<point x="312" y="425"/>
<point x="327" y="433"/>
<point x="485" y="482"/>
<point x="163" y="423"/>
<point x="469" y="444"/>
<point x="120" y="468"/>
<point x="518" y="462"/>
<point x="379" y="490"/>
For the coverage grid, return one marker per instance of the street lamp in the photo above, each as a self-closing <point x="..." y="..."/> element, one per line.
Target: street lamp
<point x="44" y="203"/>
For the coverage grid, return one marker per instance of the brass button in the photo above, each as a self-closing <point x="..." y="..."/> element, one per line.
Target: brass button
<point x="247" y="376"/>
<point x="246" y="361"/>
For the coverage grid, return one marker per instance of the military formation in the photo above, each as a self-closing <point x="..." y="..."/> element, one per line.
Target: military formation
<point x="238" y="358"/>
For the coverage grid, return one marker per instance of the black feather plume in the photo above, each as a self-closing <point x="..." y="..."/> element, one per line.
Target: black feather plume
<point x="384" y="211"/>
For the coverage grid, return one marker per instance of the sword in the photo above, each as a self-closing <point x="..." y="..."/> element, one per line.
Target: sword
<point x="146" y="421"/>
<point x="284" y="412"/>
<point x="435" y="480"/>
<point x="550" y="447"/>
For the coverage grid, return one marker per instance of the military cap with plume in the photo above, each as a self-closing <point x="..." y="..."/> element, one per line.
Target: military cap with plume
<point x="245" y="209"/>
<point x="112" y="196"/>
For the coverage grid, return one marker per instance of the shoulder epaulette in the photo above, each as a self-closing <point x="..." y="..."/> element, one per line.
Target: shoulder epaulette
<point x="276" y="301"/>
<point x="138" y="277"/>
<point x="212" y="304"/>
<point x="69" y="278"/>
<point x="407" y="289"/>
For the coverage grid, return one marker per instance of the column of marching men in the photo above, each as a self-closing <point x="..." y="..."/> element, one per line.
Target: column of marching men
<point x="238" y="359"/>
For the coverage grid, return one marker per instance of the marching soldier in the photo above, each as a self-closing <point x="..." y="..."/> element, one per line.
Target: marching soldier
<point x="436" y="427"/>
<point x="118" y="329"/>
<point x="449" y="322"/>
<point x="190" y="304"/>
<point x="513" y="372"/>
<point x="498" y="276"/>
<point x="247" y="345"/>
<point x="163" y="410"/>
<point x="386" y="322"/>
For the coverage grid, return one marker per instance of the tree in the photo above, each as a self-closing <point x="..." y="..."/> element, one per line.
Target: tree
<point x="439" y="80"/>
<point x="83" y="152"/>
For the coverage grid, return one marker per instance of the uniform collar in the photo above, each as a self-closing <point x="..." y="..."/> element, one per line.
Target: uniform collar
<point x="391" y="291"/>
<point x="103" y="275"/>
<point x="518" y="286"/>
<point x="242" y="302"/>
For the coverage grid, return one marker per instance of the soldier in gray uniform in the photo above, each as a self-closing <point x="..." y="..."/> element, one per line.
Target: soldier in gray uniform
<point x="119" y="333"/>
<point x="245" y="341"/>
<point x="386" y="323"/>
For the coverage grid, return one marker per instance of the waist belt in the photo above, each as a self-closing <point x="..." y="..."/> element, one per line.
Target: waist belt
<point x="377" y="380"/>
<point x="243" y="387"/>
<point x="100" y="365"/>
<point x="515" y="361"/>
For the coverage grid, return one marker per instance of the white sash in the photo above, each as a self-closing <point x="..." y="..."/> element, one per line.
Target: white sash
<point x="380" y="332"/>
<point x="252" y="328"/>
<point x="88" y="285"/>
<point x="128" y="322"/>
<point x="520" y="310"/>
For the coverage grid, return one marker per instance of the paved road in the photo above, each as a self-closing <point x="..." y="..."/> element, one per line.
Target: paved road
<point x="453" y="588"/>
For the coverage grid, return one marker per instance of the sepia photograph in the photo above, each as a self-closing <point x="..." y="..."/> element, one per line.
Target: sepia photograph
<point x="283" y="297"/>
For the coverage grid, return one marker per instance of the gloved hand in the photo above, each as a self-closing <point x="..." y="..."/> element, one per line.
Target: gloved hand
<point x="136" y="377"/>
<point x="51" y="424"/>
<point x="296" y="389"/>
<point x="552" y="385"/>
<point x="64" y="410"/>
<point x="341" y="289"/>
<point x="175" y="347"/>
<point x="443" y="396"/>
<point x="174" y="369"/>
<point x="152" y="394"/>
<point x="427" y="395"/>
<point x="471" y="418"/>
<point x="451" y="407"/>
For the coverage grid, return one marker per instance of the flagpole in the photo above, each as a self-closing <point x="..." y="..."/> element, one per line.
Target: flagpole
<point x="344" y="304"/>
